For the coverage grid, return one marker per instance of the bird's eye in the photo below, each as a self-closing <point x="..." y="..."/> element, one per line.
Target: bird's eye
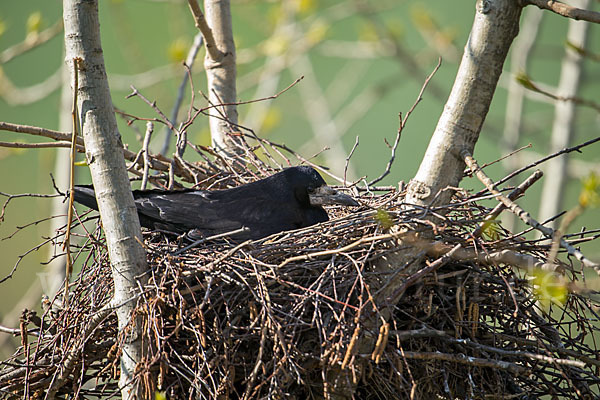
<point x="310" y="188"/>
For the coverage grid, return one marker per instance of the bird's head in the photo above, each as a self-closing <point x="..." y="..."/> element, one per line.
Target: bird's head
<point x="310" y="188"/>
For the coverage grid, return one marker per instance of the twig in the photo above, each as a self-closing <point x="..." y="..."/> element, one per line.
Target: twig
<point x="538" y="162"/>
<point x="158" y="162"/>
<point x="75" y="125"/>
<point x="468" y="360"/>
<point x="566" y="10"/>
<point x="34" y="130"/>
<point x="217" y="260"/>
<point x="417" y="276"/>
<point x="522" y="214"/>
<point x="45" y="145"/>
<point x="71" y="356"/>
<point x="16" y="331"/>
<point x="153" y="105"/>
<point x="517" y="353"/>
<point x="529" y="84"/>
<point x="189" y="63"/>
<point x="211" y="46"/>
<point x="219" y="236"/>
<point x="511" y="196"/>
<point x="403" y="124"/>
<point x="16" y="196"/>
<point x="512" y="153"/>
<point x="348" y="158"/>
<point x="237" y="103"/>
<point x="145" y="150"/>
<point x="31" y="41"/>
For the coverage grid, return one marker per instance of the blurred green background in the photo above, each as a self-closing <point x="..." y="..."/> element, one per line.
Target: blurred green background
<point x="364" y="63"/>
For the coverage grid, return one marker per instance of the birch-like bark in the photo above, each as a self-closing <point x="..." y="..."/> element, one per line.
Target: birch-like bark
<point x="221" y="75"/>
<point x="564" y="118"/>
<point x="495" y="26"/>
<point x="56" y="268"/>
<point x="532" y="18"/>
<point x="515" y="102"/>
<point x="105" y="159"/>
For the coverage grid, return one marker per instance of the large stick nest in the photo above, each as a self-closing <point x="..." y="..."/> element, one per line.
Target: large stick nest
<point x="288" y="316"/>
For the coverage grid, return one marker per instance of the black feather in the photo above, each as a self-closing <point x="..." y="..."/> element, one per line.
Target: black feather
<point x="274" y="204"/>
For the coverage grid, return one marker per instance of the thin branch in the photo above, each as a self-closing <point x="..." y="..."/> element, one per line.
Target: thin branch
<point x="37" y="131"/>
<point x="237" y="103"/>
<point x="541" y="160"/>
<point x="565" y="10"/>
<point x="17" y="96"/>
<point x="145" y="150"/>
<point x="468" y="360"/>
<point x="158" y="162"/>
<point x="504" y="157"/>
<point x="519" y="190"/>
<point x="71" y="357"/>
<point x="529" y="84"/>
<point x="209" y="39"/>
<point x="403" y="123"/>
<point x="522" y="214"/>
<point x="189" y="63"/>
<point x="45" y="145"/>
<point x="71" y="207"/>
<point x="203" y="240"/>
<point x="32" y="41"/>
<point x="16" y="196"/>
<point x="348" y="159"/>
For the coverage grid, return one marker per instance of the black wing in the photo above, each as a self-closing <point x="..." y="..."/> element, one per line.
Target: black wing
<point x="213" y="212"/>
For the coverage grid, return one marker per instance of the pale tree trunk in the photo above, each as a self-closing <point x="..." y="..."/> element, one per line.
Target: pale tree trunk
<point x="109" y="176"/>
<point x="56" y="268"/>
<point x="564" y="118"/>
<point x="50" y="280"/>
<point x="221" y="74"/>
<point x="513" y="121"/>
<point x="495" y="26"/>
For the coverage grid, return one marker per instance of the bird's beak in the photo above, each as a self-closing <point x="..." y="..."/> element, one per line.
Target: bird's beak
<point x="326" y="195"/>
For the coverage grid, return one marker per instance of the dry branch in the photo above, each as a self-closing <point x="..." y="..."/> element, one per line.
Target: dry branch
<point x="32" y="41"/>
<point x="240" y="319"/>
<point x="157" y="162"/>
<point x="522" y="214"/>
<point x="200" y="21"/>
<point x="566" y="10"/>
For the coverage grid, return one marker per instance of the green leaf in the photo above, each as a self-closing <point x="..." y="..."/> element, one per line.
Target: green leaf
<point x="590" y="191"/>
<point x="34" y="22"/>
<point x="549" y="287"/>
<point x="178" y="49"/>
<point x="384" y="218"/>
<point x="491" y="229"/>
<point x="524" y="80"/>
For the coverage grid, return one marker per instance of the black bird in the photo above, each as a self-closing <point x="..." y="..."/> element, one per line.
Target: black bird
<point x="287" y="200"/>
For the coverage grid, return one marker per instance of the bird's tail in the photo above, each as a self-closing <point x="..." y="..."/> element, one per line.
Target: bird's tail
<point x="85" y="195"/>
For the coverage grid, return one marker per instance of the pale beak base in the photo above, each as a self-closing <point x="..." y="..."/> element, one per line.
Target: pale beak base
<point x="324" y="195"/>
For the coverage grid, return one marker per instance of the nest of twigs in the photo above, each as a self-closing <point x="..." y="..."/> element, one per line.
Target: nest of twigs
<point x="303" y="314"/>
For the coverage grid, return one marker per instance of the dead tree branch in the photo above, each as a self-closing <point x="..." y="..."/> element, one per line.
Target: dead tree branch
<point x="566" y="10"/>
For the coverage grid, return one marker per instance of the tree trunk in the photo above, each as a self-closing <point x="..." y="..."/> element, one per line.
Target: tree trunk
<point x="495" y="26"/>
<point x="221" y="75"/>
<point x="564" y="118"/>
<point x="56" y="268"/>
<point x="515" y="102"/>
<point x="109" y="176"/>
